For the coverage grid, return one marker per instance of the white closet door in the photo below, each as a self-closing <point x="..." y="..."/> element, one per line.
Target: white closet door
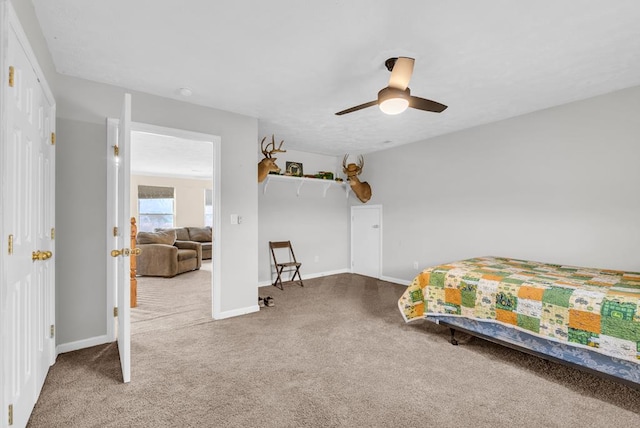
<point x="366" y="240"/>
<point x="28" y="181"/>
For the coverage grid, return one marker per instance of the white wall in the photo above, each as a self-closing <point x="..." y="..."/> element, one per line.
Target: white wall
<point x="188" y="197"/>
<point x="560" y="185"/>
<point x="317" y="226"/>
<point x="80" y="268"/>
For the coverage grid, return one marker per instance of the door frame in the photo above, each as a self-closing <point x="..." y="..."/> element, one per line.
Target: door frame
<point x="216" y="277"/>
<point x="380" y="234"/>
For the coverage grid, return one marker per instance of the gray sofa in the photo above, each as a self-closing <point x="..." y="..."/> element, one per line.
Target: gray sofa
<point x="162" y="255"/>
<point x="203" y="235"/>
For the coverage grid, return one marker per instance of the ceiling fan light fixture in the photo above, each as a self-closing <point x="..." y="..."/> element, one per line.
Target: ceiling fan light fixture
<point x="393" y="101"/>
<point x="396" y="97"/>
<point x="394" y="105"/>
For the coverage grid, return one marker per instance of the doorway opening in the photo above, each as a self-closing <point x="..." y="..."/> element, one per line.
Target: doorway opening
<point x="187" y="164"/>
<point x="171" y="195"/>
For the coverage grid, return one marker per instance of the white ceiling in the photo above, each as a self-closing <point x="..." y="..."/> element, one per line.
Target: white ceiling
<point x="293" y="64"/>
<point x="168" y="156"/>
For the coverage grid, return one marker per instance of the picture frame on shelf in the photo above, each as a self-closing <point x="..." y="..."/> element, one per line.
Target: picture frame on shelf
<point x="294" y="169"/>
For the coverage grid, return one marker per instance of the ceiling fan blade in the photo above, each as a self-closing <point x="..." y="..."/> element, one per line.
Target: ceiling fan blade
<point x="427" y="105"/>
<point x="401" y="73"/>
<point x="356" y="108"/>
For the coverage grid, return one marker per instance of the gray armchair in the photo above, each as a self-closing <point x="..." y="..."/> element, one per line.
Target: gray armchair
<point x="163" y="256"/>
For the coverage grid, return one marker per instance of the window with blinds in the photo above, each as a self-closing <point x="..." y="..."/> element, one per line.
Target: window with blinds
<point x="156" y="207"/>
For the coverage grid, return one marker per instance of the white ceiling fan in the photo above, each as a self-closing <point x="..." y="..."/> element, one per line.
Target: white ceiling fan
<point x="396" y="97"/>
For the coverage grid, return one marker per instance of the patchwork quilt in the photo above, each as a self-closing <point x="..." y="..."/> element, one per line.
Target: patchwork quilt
<point x="599" y="309"/>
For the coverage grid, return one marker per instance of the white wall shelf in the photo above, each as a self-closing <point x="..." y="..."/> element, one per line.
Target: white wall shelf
<point x="300" y="181"/>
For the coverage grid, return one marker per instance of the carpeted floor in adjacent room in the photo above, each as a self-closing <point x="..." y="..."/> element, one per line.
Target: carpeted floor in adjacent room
<point x="335" y="353"/>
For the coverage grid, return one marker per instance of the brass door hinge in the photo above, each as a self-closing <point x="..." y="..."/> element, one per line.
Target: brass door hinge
<point x="53" y="138"/>
<point x="10" y="244"/>
<point x="10" y="414"/>
<point x="52" y="331"/>
<point x="53" y="233"/>
<point x="115" y="231"/>
<point x="115" y="311"/>
<point x="12" y="73"/>
<point x="116" y="151"/>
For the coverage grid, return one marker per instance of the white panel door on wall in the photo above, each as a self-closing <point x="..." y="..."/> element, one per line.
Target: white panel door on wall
<point x="27" y="295"/>
<point x="366" y="240"/>
<point x="119" y="228"/>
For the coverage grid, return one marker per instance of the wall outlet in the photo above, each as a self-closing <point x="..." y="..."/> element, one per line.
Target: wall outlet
<point x="316" y="259"/>
<point x="415" y="265"/>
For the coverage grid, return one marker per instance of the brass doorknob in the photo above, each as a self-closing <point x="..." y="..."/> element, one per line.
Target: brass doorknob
<point x="41" y="255"/>
<point x="123" y="252"/>
<point x="136" y="252"/>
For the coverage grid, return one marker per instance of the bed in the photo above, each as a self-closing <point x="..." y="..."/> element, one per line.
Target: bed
<point x="587" y="318"/>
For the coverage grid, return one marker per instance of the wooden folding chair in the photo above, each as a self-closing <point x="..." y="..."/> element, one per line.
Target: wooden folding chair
<point x="291" y="266"/>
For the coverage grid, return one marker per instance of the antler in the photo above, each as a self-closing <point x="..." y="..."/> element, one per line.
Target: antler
<point x="273" y="144"/>
<point x="360" y="163"/>
<point x="265" y="150"/>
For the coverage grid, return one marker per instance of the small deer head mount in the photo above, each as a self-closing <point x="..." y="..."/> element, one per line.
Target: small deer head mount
<point x="361" y="189"/>
<point x="268" y="164"/>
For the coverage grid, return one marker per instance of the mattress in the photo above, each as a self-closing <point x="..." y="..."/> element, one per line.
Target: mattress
<point x="581" y="308"/>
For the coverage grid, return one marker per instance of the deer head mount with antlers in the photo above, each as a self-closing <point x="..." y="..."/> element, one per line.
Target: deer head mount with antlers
<point x="268" y="164"/>
<point x="361" y="189"/>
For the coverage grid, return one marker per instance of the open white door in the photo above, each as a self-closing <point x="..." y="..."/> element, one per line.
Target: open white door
<point x="119" y="229"/>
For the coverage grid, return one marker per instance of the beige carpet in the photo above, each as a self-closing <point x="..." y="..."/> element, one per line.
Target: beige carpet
<point x="335" y="353"/>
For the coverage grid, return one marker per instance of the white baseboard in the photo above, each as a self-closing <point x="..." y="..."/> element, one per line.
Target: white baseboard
<point x="81" y="344"/>
<point x="236" y="312"/>
<point x="395" y="280"/>
<point x="311" y="276"/>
